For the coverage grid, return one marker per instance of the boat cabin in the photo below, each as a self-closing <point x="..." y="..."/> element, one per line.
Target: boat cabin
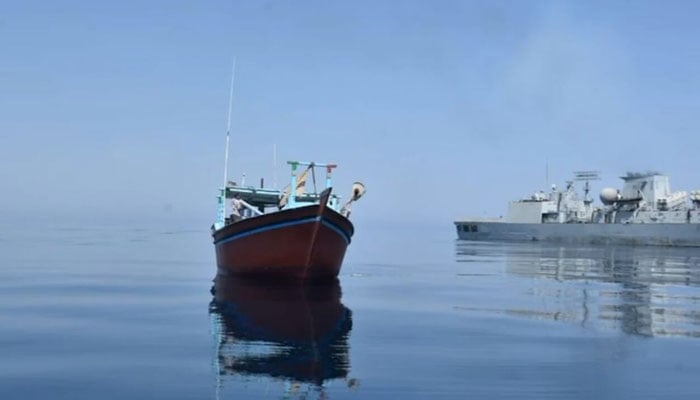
<point x="260" y="200"/>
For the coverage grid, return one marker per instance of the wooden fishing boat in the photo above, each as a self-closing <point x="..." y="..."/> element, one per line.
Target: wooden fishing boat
<point x="284" y="234"/>
<point x="293" y="233"/>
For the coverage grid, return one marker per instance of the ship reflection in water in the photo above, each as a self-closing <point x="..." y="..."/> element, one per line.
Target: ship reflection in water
<point x="297" y="335"/>
<point x="643" y="291"/>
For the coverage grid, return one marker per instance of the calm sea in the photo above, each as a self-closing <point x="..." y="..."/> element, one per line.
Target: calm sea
<point x="115" y="312"/>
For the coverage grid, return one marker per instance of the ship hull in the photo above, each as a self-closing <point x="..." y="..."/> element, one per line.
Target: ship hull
<point x="659" y="234"/>
<point x="306" y="243"/>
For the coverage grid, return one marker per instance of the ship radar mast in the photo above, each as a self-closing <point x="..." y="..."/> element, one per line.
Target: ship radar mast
<point x="587" y="176"/>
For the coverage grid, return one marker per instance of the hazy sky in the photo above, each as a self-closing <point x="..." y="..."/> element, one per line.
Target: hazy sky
<point x="443" y="109"/>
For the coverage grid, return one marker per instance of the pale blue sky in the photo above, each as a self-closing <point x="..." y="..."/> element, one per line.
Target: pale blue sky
<point x="444" y="109"/>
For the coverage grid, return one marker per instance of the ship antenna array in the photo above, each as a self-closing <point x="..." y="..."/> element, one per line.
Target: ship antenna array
<point x="586" y="176"/>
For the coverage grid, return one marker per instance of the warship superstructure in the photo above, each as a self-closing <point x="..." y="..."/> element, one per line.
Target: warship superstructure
<point x="644" y="212"/>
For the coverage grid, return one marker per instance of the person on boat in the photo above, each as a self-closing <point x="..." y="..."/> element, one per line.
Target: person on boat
<point x="238" y="208"/>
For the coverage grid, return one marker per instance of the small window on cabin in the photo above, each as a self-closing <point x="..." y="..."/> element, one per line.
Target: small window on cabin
<point x="465" y="228"/>
<point x="475" y="228"/>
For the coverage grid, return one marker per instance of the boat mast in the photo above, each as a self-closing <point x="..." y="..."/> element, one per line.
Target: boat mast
<point x="228" y="125"/>
<point x="221" y="212"/>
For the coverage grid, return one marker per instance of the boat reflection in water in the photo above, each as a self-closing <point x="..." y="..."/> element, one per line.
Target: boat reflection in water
<point x="645" y="291"/>
<point x="294" y="333"/>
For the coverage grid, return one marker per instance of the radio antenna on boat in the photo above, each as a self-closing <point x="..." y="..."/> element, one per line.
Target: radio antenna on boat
<point x="274" y="165"/>
<point x="228" y="125"/>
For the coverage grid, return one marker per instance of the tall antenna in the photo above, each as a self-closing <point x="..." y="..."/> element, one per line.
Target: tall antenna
<point x="274" y="165"/>
<point x="228" y="125"/>
<point x="586" y="176"/>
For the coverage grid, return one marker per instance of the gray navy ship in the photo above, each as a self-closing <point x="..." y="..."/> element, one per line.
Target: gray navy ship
<point x="644" y="212"/>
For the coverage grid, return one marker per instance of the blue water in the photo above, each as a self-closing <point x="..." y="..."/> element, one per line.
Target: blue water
<point x="114" y="312"/>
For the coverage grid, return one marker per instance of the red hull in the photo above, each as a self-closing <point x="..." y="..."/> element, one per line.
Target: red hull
<point x="306" y="243"/>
